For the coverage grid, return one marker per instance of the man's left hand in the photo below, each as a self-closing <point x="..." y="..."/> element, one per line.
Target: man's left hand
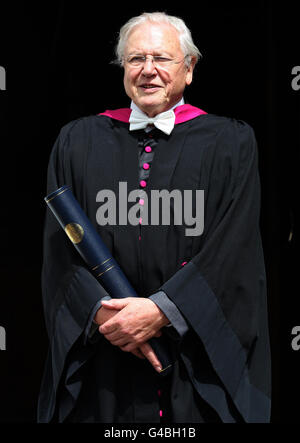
<point x="138" y="320"/>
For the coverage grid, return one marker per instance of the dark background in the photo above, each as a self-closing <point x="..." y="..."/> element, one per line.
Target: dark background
<point x="57" y="59"/>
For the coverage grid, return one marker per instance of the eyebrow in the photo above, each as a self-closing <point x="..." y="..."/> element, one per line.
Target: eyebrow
<point x="155" y="53"/>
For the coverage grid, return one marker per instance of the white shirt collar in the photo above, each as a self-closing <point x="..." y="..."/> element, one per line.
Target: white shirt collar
<point x="133" y="106"/>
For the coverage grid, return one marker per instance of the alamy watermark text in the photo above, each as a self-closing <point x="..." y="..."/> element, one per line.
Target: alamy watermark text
<point x="296" y="78"/>
<point x="165" y="207"/>
<point x="2" y="339"/>
<point x="2" y="79"/>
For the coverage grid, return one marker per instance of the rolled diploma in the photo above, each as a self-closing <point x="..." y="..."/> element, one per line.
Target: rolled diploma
<point x="96" y="255"/>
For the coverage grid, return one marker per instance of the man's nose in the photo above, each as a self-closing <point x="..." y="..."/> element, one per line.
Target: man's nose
<point x="149" y="67"/>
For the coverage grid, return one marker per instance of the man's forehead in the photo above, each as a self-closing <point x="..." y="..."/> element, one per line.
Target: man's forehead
<point x="154" y="36"/>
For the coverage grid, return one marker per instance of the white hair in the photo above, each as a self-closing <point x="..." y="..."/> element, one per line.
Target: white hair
<point x="185" y="38"/>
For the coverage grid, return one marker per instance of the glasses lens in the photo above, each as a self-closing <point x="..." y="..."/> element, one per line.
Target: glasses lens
<point x="140" y="60"/>
<point x="136" y="60"/>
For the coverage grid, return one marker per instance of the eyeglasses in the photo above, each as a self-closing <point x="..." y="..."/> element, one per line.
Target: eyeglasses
<point x="136" y="61"/>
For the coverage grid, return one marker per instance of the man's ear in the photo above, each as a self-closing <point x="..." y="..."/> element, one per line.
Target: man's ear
<point x="190" y="71"/>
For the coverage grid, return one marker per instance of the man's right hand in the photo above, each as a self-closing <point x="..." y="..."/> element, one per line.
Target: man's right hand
<point x="143" y="351"/>
<point x="103" y="314"/>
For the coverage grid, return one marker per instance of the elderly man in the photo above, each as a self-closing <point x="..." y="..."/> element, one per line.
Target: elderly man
<point x="203" y="293"/>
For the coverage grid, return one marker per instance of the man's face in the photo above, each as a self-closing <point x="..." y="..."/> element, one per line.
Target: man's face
<point x="154" y="89"/>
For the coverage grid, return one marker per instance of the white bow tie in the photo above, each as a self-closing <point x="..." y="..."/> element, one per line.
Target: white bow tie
<point x="164" y="121"/>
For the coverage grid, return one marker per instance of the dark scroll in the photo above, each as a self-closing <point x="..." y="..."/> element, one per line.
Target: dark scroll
<point x="96" y="255"/>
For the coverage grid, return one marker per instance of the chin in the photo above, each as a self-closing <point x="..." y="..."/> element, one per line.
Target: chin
<point x="151" y="105"/>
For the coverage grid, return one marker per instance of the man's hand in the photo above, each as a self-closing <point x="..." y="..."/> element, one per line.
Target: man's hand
<point x="137" y="320"/>
<point x="144" y="351"/>
<point x="103" y="314"/>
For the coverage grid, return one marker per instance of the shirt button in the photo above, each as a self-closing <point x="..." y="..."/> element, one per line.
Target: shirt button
<point x="146" y="166"/>
<point x="148" y="149"/>
<point x="143" y="184"/>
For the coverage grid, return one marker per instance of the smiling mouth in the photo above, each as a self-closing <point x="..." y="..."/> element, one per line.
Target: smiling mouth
<point x="150" y="88"/>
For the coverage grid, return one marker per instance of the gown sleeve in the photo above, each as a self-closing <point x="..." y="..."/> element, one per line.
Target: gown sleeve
<point x="70" y="293"/>
<point x="177" y="326"/>
<point x="221" y="292"/>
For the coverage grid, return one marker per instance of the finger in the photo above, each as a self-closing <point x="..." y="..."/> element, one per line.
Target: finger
<point x="148" y="352"/>
<point x="158" y="334"/>
<point x="114" y="336"/>
<point x="108" y="327"/>
<point x="115" y="303"/>
<point x="128" y="347"/>
<point x="119" y="338"/>
<point x="120" y="342"/>
<point x="103" y="315"/>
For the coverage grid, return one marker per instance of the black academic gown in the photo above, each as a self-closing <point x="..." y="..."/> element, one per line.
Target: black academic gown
<point x="222" y="371"/>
